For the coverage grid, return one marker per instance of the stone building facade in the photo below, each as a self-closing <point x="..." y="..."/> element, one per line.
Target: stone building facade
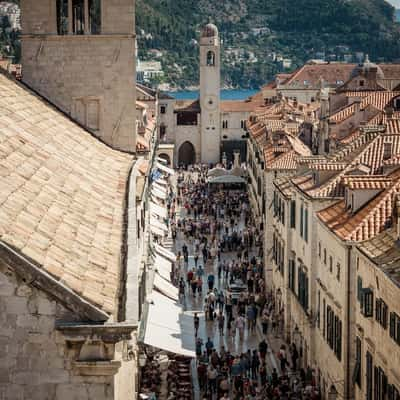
<point x="82" y="59"/>
<point x="376" y="339"/>
<point x="327" y="215"/>
<point x="48" y="352"/>
<point x="68" y="288"/>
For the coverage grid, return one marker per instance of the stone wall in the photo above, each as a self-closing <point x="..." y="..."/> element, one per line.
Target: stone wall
<point x="35" y="361"/>
<point x="374" y="338"/>
<point x="91" y="78"/>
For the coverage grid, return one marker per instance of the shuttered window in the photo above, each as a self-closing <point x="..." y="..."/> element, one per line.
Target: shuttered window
<point x="293" y="214"/>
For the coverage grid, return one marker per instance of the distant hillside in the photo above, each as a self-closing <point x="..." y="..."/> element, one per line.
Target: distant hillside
<point x="294" y="30"/>
<point x="398" y="15"/>
<point x="9" y="38"/>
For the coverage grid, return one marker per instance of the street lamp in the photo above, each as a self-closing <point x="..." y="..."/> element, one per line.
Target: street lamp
<point x="333" y="393"/>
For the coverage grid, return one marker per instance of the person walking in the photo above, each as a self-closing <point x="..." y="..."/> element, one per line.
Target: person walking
<point x="212" y="374"/>
<point x="189" y="278"/>
<point x="221" y="300"/>
<point x="255" y="364"/>
<point x="209" y="346"/>
<point x="199" y="347"/>
<point x="221" y="323"/>
<point x="193" y="283"/>
<point x="240" y="325"/>
<point x="196" y="322"/>
<point x="262" y="348"/>
<point x="283" y="358"/>
<point x="263" y="374"/>
<point x="196" y="257"/>
<point x="251" y="317"/>
<point x="265" y="321"/>
<point x="294" y="356"/>
<point x="210" y="280"/>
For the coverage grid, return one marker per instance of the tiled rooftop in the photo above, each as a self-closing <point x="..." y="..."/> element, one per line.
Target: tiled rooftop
<point x="275" y="129"/>
<point x="370" y="182"/>
<point x="62" y="198"/>
<point x="379" y="100"/>
<point x="284" y="185"/>
<point x="384" y="251"/>
<point x="368" y="221"/>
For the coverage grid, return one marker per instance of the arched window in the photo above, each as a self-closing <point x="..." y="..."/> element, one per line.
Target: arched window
<point x="210" y="58"/>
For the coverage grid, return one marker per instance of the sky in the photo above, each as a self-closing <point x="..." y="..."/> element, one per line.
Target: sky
<point x="395" y="3"/>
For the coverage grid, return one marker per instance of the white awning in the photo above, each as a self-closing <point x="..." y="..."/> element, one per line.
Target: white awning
<point x="167" y="327"/>
<point x="162" y="160"/>
<point x="161" y="182"/>
<point x="160" y="188"/>
<point x="163" y="267"/>
<point x="166" y="287"/>
<point x="165" y="169"/>
<point x="157" y="231"/>
<point x="158" y="224"/>
<point x="165" y="252"/>
<point x="227" y="179"/>
<point x="158" y="210"/>
<point x="158" y="193"/>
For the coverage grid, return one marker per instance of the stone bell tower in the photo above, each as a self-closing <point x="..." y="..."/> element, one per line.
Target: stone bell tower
<point x="80" y="55"/>
<point x="210" y="94"/>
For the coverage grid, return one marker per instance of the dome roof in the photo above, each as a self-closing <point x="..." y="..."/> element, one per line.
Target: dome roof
<point x="210" y="30"/>
<point x="366" y="68"/>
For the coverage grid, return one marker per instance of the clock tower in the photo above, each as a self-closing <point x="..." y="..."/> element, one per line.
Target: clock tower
<point x="210" y="130"/>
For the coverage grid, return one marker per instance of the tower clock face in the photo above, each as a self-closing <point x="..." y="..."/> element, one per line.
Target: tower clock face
<point x="210" y="102"/>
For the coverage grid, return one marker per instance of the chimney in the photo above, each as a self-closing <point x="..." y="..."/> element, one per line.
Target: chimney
<point x="357" y="105"/>
<point x="373" y="74"/>
<point x="389" y="113"/>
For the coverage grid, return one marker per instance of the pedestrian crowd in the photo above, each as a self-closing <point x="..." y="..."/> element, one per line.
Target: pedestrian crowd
<point x="218" y="222"/>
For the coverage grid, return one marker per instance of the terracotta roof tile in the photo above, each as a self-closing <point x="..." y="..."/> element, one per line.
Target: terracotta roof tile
<point x="384" y="251"/>
<point x="286" y="161"/>
<point x="284" y="185"/>
<point x="248" y="105"/>
<point x="367" y="222"/>
<point x="371" y="182"/>
<point x="62" y="200"/>
<point x="312" y="74"/>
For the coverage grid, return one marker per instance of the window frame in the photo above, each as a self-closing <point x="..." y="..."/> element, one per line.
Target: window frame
<point x="293" y="214"/>
<point x="367" y="308"/>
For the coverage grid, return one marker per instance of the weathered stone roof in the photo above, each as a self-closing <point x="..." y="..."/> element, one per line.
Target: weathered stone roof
<point x="62" y="197"/>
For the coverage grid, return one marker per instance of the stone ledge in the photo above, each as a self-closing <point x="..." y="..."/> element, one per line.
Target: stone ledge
<point x="48" y="36"/>
<point x="109" y="333"/>
<point x="96" y="368"/>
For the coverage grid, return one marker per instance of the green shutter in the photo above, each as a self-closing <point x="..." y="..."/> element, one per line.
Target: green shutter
<point x="392" y="328"/>
<point x="293" y="214"/>
<point x="301" y="220"/>
<point x="306" y="225"/>
<point x="359" y="288"/>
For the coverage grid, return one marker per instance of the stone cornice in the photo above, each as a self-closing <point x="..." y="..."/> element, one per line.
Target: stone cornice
<point x="49" y="36"/>
<point x="107" y="333"/>
<point x="37" y="277"/>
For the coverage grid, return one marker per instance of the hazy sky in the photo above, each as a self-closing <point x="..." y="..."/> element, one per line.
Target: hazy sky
<point x="396" y="3"/>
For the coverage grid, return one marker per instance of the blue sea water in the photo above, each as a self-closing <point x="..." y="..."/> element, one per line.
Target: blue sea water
<point x="234" y="94"/>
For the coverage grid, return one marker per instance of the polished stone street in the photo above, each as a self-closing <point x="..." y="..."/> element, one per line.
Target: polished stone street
<point x="209" y="329"/>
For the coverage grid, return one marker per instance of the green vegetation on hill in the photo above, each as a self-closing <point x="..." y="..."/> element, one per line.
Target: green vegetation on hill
<point x="296" y="29"/>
